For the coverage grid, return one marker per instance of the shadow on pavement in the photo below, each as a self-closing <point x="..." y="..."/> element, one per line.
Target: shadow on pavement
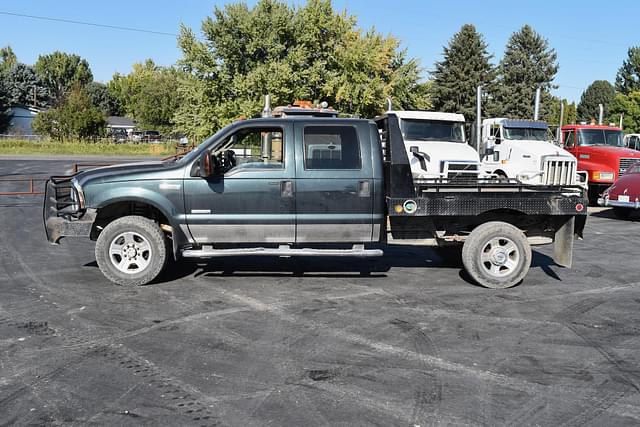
<point x="329" y="267"/>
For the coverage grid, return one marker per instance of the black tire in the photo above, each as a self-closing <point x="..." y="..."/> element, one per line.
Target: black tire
<point x="622" y="213"/>
<point x="491" y="244"/>
<point x="593" y="194"/>
<point x="142" y="229"/>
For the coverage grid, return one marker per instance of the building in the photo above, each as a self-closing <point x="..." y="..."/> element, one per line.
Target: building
<point x="21" y="119"/>
<point x="120" y="125"/>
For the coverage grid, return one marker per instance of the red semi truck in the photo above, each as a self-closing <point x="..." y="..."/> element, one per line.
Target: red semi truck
<point x="600" y="152"/>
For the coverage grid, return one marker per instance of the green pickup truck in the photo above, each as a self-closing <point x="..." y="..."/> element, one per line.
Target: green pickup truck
<point x="305" y="186"/>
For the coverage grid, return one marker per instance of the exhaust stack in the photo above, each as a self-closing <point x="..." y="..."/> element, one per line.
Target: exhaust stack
<point x="600" y="114"/>
<point x="478" y="117"/>
<point x="389" y="106"/>
<point x="266" y="110"/>
<point x="536" y="106"/>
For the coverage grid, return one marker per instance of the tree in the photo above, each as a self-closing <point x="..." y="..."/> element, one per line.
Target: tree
<point x="5" y="116"/>
<point x="60" y="71"/>
<point x="629" y="105"/>
<point x="552" y="112"/>
<point x="25" y="87"/>
<point x="289" y="52"/>
<point x="465" y="66"/>
<point x="75" y="118"/>
<point x="7" y="58"/>
<point x="103" y="99"/>
<point x="528" y="63"/>
<point x="149" y="94"/>
<point x="598" y="92"/>
<point x="628" y="77"/>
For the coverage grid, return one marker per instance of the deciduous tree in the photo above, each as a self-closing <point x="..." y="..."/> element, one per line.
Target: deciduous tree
<point x="308" y="52"/>
<point x="629" y="106"/>
<point x="61" y="71"/>
<point x="7" y="58"/>
<point x="74" y="118"/>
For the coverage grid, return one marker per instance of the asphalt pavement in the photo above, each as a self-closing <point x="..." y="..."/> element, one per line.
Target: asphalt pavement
<point x="405" y="340"/>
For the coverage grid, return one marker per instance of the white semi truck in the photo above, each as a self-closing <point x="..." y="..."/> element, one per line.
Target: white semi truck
<point x="436" y="145"/>
<point x="522" y="150"/>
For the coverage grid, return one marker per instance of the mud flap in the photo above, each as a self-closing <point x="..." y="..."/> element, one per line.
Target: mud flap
<point x="563" y="246"/>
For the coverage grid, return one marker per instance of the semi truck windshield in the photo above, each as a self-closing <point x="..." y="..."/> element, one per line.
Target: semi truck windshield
<point x="525" y="134"/>
<point x="421" y="130"/>
<point x="600" y="137"/>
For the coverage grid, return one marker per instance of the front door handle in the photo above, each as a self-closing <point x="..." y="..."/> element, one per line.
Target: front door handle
<point x="286" y="189"/>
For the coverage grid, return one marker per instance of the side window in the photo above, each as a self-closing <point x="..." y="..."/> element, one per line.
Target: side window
<point x="331" y="147"/>
<point x="568" y="139"/>
<point x="255" y="148"/>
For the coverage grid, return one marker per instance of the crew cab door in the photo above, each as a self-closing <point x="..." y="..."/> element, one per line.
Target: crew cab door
<point x="334" y="182"/>
<point x="252" y="200"/>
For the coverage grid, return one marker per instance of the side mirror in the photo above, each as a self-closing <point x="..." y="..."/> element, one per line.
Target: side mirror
<point x="414" y="149"/>
<point x="206" y="168"/>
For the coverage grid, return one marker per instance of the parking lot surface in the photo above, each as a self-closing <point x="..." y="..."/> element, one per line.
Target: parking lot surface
<point x="403" y="340"/>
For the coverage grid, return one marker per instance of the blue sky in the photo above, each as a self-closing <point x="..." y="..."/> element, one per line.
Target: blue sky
<point x="591" y="38"/>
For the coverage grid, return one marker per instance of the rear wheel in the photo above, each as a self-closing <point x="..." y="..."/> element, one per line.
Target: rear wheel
<point x="496" y="255"/>
<point x="622" y="213"/>
<point x="131" y="251"/>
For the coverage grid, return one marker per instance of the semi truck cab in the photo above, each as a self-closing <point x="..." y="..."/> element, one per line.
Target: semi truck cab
<point x="520" y="149"/>
<point x="600" y="152"/>
<point x="436" y="145"/>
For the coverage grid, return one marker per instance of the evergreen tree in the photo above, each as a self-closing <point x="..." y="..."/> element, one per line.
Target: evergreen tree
<point x="466" y="65"/>
<point x="5" y="117"/>
<point x="598" y="92"/>
<point x="528" y="62"/>
<point x="25" y="87"/>
<point x="628" y="77"/>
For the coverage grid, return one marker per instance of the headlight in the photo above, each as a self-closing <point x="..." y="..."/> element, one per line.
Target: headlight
<point x="77" y="193"/>
<point x="603" y="176"/>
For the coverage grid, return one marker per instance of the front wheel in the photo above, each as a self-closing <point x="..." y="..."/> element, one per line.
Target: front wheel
<point x="131" y="251"/>
<point x="496" y="255"/>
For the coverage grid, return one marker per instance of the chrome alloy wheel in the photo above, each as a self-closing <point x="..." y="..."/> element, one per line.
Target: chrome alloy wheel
<point x="500" y="257"/>
<point x="130" y="252"/>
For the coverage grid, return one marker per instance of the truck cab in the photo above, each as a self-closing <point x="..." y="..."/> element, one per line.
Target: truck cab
<point x="436" y="145"/>
<point x="600" y="152"/>
<point x="521" y="149"/>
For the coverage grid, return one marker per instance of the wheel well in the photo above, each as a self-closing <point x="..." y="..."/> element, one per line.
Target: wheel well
<point x="117" y="210"/>
<point x="500" y="172"/>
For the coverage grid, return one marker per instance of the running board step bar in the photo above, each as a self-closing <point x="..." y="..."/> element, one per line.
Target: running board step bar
<point x="283" y="250"/>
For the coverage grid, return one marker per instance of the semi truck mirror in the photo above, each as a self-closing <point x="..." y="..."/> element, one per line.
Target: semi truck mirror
<point x="414" y="149"/>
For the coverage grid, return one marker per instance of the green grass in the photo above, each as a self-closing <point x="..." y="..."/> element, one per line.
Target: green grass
<point x="21" y="147"/>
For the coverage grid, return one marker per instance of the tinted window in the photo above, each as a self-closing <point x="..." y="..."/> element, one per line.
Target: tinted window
<point x="568" y="139"/>
<point x="331" y="147"/>
<point x="432" y="130"/>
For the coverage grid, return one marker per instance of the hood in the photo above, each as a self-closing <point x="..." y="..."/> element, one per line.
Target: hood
<point x="540" y="148"/>
<point x="609" y="151"/>
<point x="122" y="172"/>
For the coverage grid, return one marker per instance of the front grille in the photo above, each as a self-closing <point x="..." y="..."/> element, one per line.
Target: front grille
<point x="559" y="172"/>
<point x="459" y="170"/>
<point x="626" y="164"/>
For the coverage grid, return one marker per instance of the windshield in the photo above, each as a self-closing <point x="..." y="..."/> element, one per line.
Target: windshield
<point x="421" y="130"/>
<point x="600" y="137"/>
<point x="525" y="134"/>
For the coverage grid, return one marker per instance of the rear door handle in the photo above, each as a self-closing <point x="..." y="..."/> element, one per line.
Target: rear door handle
<point x="286" y="189"/>
<point x="364" y="189"/>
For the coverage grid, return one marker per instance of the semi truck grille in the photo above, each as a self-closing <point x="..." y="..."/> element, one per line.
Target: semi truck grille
<point x="559" y="172"/>
<point x="460" y="170"/>
<point x="626" y="164"/>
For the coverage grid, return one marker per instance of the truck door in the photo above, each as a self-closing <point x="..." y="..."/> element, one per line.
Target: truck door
<point x="253" y="200"/>
<point x="334" y="182"/>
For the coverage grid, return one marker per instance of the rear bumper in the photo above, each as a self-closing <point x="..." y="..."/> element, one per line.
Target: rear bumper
<point x="61" y="212"/>
<point x="603" y="201"/>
